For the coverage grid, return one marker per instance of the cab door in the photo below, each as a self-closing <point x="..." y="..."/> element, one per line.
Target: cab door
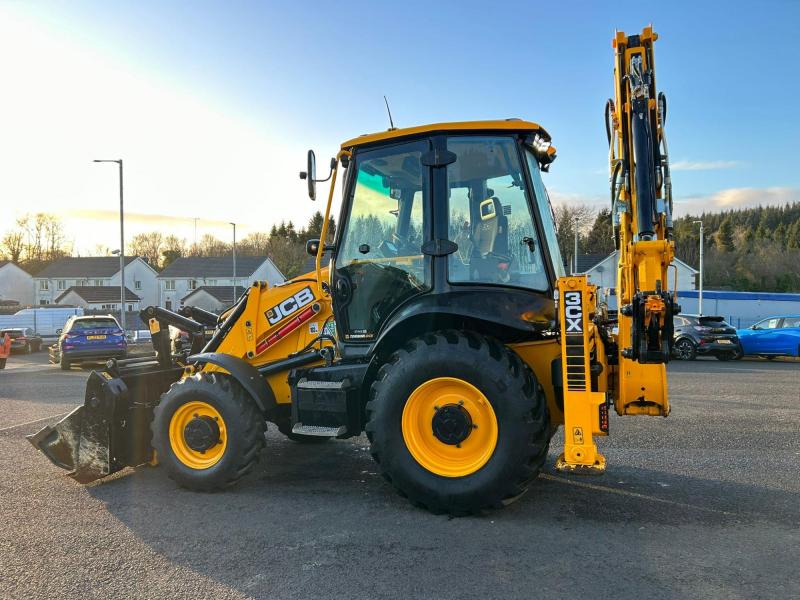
<point x="379" y="263"/>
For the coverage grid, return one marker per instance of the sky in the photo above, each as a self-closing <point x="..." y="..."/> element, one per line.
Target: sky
<point x="213" y="105"/>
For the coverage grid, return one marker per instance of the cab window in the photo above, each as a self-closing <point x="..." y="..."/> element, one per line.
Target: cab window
<point x="490" y="217"/>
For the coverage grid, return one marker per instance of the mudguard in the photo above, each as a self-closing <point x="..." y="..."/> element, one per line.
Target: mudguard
<point x="243" y="372"/>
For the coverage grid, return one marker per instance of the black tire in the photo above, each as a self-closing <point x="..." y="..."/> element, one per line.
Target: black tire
<point x="725" y="356"/>
<point x="37" y="346"/>
<point x="684" y="350"/>
<point x="2" y="363"/>
<point x="243" y="421"/>
<point x="64" y="363"/>
<point x="510" y="387"/>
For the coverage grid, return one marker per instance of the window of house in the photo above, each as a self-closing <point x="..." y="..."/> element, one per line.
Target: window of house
<point x="61" y="284"/>
<point x="169" y="284"/>
<point x="98" y="282"/>
<point x="211" y="281"/>
<point x="130" y="307"/>
<point x="168" y="304"/>
<point x="44" y="301"/>
<point x="193" y="284"/>
<point x="137" y="285"/>
<point x="44" y="285"/>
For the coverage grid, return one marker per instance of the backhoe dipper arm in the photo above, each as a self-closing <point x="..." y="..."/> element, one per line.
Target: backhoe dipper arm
<point x="627" y="366"/>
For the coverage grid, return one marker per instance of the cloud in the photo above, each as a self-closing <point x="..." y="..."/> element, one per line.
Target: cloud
<point x="734" y="198"/>
<point x="711" y="165"/>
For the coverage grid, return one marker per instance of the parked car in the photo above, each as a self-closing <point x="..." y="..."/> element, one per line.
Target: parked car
<point x="775" y="336"/>
<point x="87" y="339"/>
<point x="704" y="335"/>
<point x="24" y="339"/>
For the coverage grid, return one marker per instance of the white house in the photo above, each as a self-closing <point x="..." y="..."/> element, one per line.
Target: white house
<point x="99" y="298"/>
<point x="213" y="298"/>
<point x="602" y="271"/>
<point x="15" y="284"/>
<point x="185" y="275"/>
<point x="96" y="271"/>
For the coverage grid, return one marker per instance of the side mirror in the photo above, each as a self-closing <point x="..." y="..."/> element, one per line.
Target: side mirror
<point x="312" y="247"/>
<point x="310" y="175"/>
<point x="59" y="331"/>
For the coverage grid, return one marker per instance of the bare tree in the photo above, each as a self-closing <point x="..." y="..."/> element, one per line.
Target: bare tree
<point x="13" y="244"/>
<point x="148" y="246"/>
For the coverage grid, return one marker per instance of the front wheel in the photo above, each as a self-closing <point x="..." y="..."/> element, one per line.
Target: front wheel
<point x="684" y="350"/>
<point x="207" y="432"/>
<point x="457" y="423"/>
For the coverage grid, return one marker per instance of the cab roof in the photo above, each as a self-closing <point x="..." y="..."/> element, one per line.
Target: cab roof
<point x="459" y="126"/>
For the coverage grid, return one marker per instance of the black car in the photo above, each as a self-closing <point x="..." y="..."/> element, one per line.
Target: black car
<point x="24" y="339"/>
<point x="696" y="335"/>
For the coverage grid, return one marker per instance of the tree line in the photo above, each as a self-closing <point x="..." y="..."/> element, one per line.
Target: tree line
<point x="748" y="249"/>
<point x="37" y="240"/>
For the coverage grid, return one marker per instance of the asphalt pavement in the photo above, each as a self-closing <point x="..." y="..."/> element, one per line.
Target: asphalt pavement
<point x="703" y="504"/>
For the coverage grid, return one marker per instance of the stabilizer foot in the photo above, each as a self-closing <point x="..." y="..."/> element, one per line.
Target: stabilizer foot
<point x="596" y="468"/>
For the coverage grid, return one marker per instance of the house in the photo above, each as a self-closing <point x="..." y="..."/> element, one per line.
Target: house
<point x="97" y="271"/>
<point x="213" y="298"/>
<point x="99" y="298"/>
<point x="602" y="271"/>
<point x="186" y="274"/>
<point x="16" y="285"/>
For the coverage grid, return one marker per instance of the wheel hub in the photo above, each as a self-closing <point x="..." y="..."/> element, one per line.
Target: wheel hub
<point x="201" y="433"/>
<point x="451" y="424"/>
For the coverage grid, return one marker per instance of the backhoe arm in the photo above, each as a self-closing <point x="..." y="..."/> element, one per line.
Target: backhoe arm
<point x="625" y="364"/>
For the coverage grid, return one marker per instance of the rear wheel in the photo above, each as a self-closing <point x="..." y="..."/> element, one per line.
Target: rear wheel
<point x="64" y="363"/>
<point x="684" y="350"/>
<point x="2" y="363"/>
<point x="725" y="356"/>
<point x="457" y="423"/>
<point x="207" y="432"/>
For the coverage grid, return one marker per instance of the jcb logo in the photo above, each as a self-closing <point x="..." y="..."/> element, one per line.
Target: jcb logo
<point x="573" y="312"/>
<point x="290" y="305"/>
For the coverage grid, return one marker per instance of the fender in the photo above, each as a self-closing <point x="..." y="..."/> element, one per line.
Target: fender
<point x="243" y="372"/>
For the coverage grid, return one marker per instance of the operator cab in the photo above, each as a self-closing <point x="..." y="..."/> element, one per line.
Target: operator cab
<point x="445" y="226"/>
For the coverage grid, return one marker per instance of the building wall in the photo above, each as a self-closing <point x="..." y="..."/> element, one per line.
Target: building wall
<point x="16" y="284"/>
<point x="182" y="285"/>
<point x="740" y="309"/>
<point x="604" y="275"/>
<point x="74" y="299"/>
<point x="136" y="270"/>
<point x="139" y="271"/>
<point x="206" y="301"/>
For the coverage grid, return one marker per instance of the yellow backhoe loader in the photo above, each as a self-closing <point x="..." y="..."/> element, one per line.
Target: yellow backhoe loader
<point x="443" y="326"/>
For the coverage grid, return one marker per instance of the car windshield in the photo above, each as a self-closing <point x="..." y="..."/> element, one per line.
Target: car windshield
<point x="11" y="332"/>
<point x="85" y="324"/>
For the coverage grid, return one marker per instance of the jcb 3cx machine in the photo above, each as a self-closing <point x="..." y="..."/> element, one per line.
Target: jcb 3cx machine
<point x="443" y="326"/>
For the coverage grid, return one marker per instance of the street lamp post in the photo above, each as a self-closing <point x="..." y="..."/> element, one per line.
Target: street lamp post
<point x="700" y="295"/>
<point x="121" y="244"/>
<point x="234" y="261"/>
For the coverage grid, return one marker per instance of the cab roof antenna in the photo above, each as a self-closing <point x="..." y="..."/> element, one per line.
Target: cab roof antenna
<point x="391" y="123"/>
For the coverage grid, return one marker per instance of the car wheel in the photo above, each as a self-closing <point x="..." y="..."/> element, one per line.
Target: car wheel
<point x="726" y="356"/>
<point x="27" y="349"/>
<point x="64" y="364"/>
<point x="684" y="350"/>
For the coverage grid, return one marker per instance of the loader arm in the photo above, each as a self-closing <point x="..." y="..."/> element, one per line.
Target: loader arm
<point x="626" y="366"/>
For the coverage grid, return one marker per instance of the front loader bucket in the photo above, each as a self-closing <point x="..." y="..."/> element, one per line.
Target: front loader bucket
<point x="79" y="443"/>
<point x="112" y="429"/>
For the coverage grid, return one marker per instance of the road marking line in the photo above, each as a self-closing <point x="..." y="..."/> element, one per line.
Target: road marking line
<point x="34" y="421"/>
<point x="603" y="488"/>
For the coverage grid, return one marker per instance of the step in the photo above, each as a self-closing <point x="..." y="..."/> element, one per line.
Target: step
<point x="318" y="430"/>
<point x="307" y="384"/>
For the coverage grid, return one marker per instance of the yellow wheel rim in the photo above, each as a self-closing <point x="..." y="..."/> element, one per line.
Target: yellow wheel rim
<point x="475" y="422"/>
<point x="189" y="418"/>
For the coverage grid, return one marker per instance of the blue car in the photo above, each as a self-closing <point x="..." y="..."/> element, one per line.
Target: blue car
<point x="87" y="339"/>
<point x="775" y="336"/>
